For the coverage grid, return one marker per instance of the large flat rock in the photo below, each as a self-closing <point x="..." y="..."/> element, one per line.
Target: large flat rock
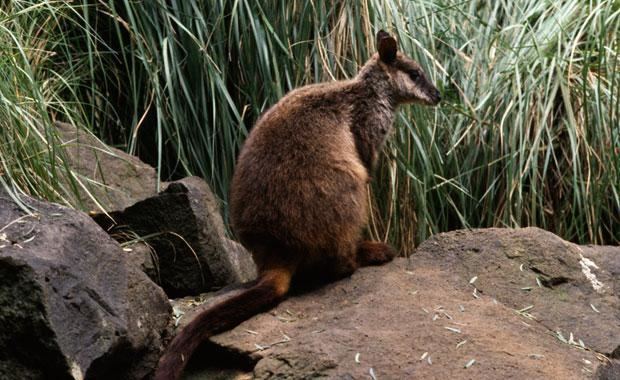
<point x="483" y="304"/>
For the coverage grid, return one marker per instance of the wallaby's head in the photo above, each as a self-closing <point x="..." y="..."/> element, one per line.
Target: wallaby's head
<point x="407" y="82"/>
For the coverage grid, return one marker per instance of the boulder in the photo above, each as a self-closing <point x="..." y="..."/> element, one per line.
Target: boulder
<point x="116" y="179"/>
<point x="183" y="237"/>
<point x="573" y="290"/>
<point x="236" y="262"/>
<point x="71" y="305"/>
<point x="481" y="304"/>
<point x="184" y="230"/>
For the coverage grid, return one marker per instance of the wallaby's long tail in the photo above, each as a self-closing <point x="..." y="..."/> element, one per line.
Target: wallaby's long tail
<point x="258" y="296"/>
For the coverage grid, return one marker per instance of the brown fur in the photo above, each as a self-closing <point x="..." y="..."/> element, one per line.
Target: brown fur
<point x="373" y="253"/>
<point x="298" y="195"/>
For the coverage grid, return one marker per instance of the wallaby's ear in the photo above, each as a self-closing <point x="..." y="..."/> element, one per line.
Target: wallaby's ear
<point x="386" y="45"/>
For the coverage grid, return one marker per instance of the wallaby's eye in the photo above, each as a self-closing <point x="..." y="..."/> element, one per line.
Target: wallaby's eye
<point x="413" y="74"/>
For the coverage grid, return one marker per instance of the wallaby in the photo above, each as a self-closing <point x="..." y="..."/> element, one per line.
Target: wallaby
<point x="298" y="195"/>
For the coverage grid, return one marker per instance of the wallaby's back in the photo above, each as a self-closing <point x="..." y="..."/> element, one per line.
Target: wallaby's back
<point x="299" y="181"/>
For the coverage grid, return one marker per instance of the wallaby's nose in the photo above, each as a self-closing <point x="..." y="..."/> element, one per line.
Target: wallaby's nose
<point x="437" y="96"/>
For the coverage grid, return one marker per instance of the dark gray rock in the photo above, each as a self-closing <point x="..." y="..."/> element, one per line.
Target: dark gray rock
<point x="141" y="255"/>
<point x="187" y="251"/>
<point x="462" y="296"/>
<point x="237" y="263"/>
<point x="71" y="305"/>
<point x="118" y="179"/>
<point x="183" y="227"/>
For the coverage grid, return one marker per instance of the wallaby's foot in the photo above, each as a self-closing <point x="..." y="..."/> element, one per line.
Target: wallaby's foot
<point x="374" y="253"/>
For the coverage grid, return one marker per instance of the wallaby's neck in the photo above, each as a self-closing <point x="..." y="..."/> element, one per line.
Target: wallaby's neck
<point x="372" y="113"/>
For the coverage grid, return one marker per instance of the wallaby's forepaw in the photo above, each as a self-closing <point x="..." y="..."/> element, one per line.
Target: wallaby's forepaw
<point x="374" y="253"/>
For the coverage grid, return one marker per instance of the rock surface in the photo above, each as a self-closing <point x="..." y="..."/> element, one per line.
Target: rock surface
<point x="467" y="304"/>
<point x="118" y="179"/>
<point x="184" y="229"/>
<point x="184" y="215"/>
<point x="71" y="306"/>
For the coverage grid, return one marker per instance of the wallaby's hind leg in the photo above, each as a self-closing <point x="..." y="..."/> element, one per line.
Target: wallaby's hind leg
<point x="342" y="265"/>
<point x="374" y="253"/>
<point x="325" y="266"/>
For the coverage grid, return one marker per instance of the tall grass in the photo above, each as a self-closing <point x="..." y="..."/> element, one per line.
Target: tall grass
<point x="528" y="133"/>
<point x="40" y="76"/>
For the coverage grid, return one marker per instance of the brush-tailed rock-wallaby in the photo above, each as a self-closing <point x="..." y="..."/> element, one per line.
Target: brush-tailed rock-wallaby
<point x="298" y="196"/>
